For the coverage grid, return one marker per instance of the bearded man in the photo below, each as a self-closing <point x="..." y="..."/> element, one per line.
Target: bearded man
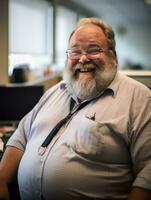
<point x="89" y="136"/>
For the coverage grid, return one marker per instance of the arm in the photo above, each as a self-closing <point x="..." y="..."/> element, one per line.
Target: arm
<point x="140" y="148"/>
<point x="139" y="194"/>
<point x="8" y="169"/>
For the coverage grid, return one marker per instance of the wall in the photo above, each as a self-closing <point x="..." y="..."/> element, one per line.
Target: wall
<point x="134" y="46"/>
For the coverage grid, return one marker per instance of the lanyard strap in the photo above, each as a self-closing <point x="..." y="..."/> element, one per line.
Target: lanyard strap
<point x="59" y="125"/>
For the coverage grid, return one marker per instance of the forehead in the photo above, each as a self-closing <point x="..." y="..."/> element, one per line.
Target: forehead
<point x="88" y="34"/>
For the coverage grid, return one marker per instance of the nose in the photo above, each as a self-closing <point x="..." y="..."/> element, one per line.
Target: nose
<point x="84" y="59"/>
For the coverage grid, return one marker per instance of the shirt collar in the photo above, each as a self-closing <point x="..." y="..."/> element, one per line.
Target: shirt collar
<point x="64" y="86"/>
<point x="115" y="84"/>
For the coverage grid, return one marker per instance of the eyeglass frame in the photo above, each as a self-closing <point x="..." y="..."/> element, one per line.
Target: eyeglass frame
<point x="82" y="52"/>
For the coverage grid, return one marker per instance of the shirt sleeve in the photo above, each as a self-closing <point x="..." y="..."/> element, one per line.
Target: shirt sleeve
<point x="140" y="139"/>
<point x="20" y="137"/>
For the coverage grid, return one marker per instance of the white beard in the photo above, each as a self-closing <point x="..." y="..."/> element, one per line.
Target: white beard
<point x="86" y="88"/>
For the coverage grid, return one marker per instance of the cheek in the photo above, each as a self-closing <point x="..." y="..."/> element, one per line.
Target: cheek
<point x="99" y="62"/>
<point x="104" y="61"/>
<point x="71" y="63"/>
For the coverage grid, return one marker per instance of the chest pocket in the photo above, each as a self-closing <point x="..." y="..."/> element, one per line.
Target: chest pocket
<point x="96" y="141"/>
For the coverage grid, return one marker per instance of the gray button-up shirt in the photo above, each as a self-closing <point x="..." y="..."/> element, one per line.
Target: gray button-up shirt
<point x="102" y="151"/>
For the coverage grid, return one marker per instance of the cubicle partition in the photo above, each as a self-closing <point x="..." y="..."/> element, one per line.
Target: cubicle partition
<point x="17" y="101"/>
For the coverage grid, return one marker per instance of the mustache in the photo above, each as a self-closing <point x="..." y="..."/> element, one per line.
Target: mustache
<point x="79" y="66"/>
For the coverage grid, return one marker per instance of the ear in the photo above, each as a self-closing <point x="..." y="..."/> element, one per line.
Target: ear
<point x="114" y="55"/>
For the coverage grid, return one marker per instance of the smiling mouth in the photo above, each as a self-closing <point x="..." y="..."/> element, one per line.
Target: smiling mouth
<point x="82" y="70"/>
<point x="86" y="72"/>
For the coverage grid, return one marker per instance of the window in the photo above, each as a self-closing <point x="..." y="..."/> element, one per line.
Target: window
<point x="66" y="21"/>
<point x="30" y="33"/>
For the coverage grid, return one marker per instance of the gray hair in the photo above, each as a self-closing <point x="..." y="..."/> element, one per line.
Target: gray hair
<point x="106" y="28"/>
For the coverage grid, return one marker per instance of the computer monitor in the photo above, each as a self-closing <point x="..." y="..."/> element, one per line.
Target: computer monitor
<point x="17" y="101"/>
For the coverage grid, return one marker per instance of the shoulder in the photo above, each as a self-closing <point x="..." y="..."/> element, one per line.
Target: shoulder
<point x="59" y="88"/>
<point x="133" y="87"/>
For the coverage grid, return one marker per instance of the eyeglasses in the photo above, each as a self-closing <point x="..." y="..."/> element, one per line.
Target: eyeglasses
<point x="91" y="53"/>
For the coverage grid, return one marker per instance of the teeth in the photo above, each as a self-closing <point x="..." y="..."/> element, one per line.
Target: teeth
<point x="84" y="70"/>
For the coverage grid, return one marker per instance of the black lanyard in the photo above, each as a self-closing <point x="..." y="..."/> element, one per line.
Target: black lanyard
<point x="59" y="125"/>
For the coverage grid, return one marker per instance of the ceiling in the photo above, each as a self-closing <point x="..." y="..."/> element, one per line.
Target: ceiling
<point x="119" y="12"/>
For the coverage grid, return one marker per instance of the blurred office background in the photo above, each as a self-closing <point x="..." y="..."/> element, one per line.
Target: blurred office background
<point x="34" y="36"/>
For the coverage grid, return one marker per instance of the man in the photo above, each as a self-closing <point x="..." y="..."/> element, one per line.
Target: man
<point x="100" y="130"/>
